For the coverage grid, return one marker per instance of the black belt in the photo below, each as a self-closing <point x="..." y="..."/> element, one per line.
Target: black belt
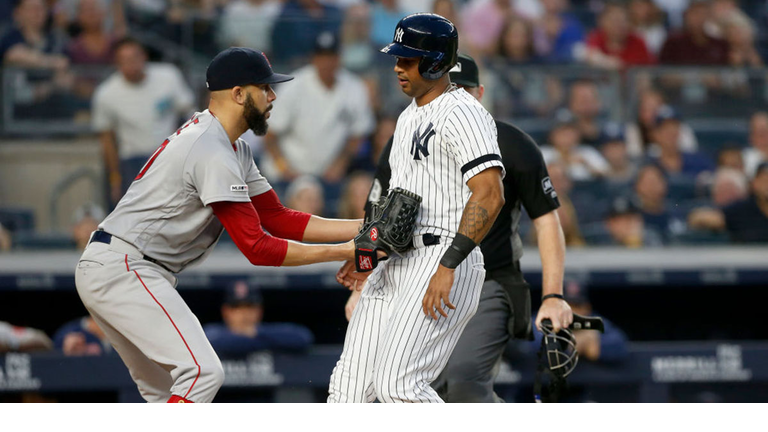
<point x="106" y="238"/>
<point x="428" y="240"/>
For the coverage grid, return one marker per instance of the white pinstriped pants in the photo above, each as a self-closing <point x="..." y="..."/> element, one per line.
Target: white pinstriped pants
<point x="392" y="351"/>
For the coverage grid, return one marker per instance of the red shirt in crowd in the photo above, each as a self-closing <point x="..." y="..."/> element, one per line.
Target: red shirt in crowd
<point x="634" y="52"/>
<point x="680" y="49"/>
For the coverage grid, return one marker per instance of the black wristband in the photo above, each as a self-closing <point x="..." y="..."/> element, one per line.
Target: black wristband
<point x="458" y="251"/>
<point x="559" y="296"/>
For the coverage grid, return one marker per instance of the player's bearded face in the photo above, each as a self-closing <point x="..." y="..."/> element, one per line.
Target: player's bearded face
<point x="254" y="117"/>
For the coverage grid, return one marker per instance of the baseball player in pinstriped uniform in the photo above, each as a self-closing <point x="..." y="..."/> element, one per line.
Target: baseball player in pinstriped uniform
<point x="201" y="180"/>
<point x="414" y="307"/>
<point x="505" y="302"/>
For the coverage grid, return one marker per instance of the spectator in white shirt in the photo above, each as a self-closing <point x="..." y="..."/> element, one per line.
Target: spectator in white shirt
<point x="323" y="117"/>
<point x="582" y="162"/>
<point x="135" y="110"/>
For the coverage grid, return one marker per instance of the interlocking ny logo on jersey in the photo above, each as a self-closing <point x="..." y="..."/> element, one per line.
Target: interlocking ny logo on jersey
<point x="420" y="142"/>
<point x="399" y="35"/>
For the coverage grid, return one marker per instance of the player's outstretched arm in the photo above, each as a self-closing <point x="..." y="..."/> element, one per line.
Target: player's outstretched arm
<point x="551" y="241"/>
<point x="290" y="224"/>
<point x="244" y="226"/>
<point x="477" y="219"/>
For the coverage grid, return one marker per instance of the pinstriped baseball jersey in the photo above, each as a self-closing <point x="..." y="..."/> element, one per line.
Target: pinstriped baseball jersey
<point x="437" y="148"/>
<point x="165" y="212"/>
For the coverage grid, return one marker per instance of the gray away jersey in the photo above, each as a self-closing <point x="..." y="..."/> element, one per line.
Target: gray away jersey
<point x="436" y="149"/>
<point x="165" y="212"/>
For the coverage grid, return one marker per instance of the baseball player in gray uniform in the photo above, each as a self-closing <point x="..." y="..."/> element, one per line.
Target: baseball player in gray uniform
<point x="414" y="307"/>
<point x="200" y="181"/>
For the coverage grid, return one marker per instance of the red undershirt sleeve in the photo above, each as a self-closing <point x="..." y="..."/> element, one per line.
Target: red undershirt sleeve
<point x="279" y="220"/>
<point x="242" y="223"/>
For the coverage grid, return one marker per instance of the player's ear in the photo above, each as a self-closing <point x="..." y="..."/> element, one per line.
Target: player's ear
<point x="480" y="92"/>
<point x="238" y="95"/>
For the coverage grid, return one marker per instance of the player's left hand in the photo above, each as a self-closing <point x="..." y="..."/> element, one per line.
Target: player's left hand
<point x="439" y="290"/>
<point x="350" y="278"/>
<point x="558" y="311"/>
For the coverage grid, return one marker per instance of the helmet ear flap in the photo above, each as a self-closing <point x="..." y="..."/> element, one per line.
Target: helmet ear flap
<point x="430" y="66"/>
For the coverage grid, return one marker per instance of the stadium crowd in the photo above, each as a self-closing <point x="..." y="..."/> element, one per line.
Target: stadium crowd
<point x="628" y="147"/>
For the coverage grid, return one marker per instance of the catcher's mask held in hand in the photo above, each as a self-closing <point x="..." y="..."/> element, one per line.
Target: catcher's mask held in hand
<point x="558" y="356"/>
<point x="390" y="228"/>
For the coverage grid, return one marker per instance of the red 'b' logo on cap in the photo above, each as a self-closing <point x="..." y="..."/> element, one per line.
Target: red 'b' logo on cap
<point x="365" y="263"/>
<point x="374" y="234"/>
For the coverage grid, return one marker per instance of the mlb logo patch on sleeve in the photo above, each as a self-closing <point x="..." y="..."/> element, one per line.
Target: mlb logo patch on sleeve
<point x="546" y="184"/>
<point x="238" y="188"/>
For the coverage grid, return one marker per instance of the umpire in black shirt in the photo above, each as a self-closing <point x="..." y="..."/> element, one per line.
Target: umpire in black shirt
<point x="505" y="301"/>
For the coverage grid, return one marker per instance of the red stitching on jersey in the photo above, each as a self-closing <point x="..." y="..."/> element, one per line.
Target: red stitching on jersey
<point x="177" y="331"/>
<point x="126" y="263"/>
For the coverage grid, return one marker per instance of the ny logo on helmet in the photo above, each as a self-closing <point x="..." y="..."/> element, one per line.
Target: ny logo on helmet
<point x="420" y="142"/>
<point x="399" y="35"/>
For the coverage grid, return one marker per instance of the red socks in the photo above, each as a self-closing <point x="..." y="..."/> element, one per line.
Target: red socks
<point x="178" y="399"/>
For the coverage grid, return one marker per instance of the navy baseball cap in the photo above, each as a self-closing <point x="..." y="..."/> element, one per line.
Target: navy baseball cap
<point x="623" y="206"/>
<point x="612" y="132"/>
<point x="327" y="43"/>
<point x="238" y="66"/>
<point x="465" y="72"/>
<point x="241" y="292"/>
<point x="575" y="292"/>
<point x="665" y="113"/>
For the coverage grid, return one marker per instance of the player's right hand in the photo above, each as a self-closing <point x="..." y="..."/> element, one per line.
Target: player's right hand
<point x="350" y="278"/>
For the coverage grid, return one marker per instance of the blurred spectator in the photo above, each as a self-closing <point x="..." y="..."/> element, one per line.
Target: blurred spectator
<point x="746" y="221"/>
<point x="85" y="221"/>
<point x="81" y="337"/>
<point x="28" y="44"/>
<point x="666" y="134"/>
<point x="723" y="12"/>
<point x="558" y="35"/>
<point x="730" y="157"/>
<point x="729" y="185"/>
<point x="249" y="23"/>
<point x="481" y="24"/>
<point x="385" y="14"/>
<point x="758" y="141"/>
<point x="613" y="45"/>
<point x="648" y="22"/>
<point x="322" y="118"/>
<point x="243" y="331"/>
<point x="114" y="22"/>
<point x="581" y="162"/>
<point x="740" y="34"/>
<point x="5" y="239"/>
<point x="22" y="339"/>
<point x="355" y="195"/>
<point x="93" y="46"/>
<point x="638" y="134"/>
<point x="652" y="190"/>
<point x="358" y="52"/>
<point x="297" y="27"/>
<point x="607" y="347"/>
<point x="567" y="212"/>
<point x="134" y="110"/>
<point x="444" y="8"/>
<point x="585" y="106"/>
<point x="621" y="169"/>
<point x="625" y="226"/>
<point x="305" y="194"/>
<point x="693" y="46"/>
<point x="516" y="43"/>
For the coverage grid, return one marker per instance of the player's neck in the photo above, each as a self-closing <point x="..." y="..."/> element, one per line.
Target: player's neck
<point x="233" y="124"/>
<point x="433" y="93"/>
